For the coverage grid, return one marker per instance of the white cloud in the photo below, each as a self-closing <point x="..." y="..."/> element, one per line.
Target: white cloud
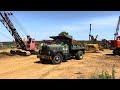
<point x="104" y="27"/>
<point x="97" y="23"/>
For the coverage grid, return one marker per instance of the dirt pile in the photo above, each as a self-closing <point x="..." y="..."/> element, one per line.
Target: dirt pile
<point x="5" y="54"/>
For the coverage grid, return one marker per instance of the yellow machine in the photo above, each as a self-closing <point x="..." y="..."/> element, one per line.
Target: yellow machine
<point x="93" y="45"/>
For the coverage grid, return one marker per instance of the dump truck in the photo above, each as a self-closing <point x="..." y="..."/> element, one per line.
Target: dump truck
<point x="61" y="49"/>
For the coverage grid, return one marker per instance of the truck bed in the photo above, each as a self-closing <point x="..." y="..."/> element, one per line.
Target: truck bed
<point x="76" y="47"/>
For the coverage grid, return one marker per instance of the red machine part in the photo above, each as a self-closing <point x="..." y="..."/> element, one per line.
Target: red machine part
<point x="115" y="43"/>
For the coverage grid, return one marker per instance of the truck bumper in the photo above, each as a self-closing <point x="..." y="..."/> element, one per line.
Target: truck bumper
<point x="44" y="57"/>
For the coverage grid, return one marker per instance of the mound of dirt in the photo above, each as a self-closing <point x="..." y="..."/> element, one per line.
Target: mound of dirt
<point x="4" y="54"/>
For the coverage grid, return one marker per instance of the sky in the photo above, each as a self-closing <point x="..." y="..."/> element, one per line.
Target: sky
<point x="42" y="24"/>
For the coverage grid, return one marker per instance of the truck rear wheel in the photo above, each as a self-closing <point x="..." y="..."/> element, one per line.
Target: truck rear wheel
<point x="57" y="59"/>
<point x="79" y="55"/>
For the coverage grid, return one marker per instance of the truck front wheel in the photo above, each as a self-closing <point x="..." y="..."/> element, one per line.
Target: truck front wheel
<point x="79" y="55"/>
<point x="57" y="59"/>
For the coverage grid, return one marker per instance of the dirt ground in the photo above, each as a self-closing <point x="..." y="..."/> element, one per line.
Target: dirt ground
<point x="30" y="67"/>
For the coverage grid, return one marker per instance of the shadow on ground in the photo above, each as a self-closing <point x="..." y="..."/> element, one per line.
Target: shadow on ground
<point x="5" y="53"/>
<point x="91" y="52"/>
<point x="110" y="54"/>
<point x="39" y="62"/>
<point x="47" y="62"/>
<point x="9" y="54"/>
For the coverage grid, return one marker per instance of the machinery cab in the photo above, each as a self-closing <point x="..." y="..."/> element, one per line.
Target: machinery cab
<point x="118" y="37"/>
<point x="30" y="43"/>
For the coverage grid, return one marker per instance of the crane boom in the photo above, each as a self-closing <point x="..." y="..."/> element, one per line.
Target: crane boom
<point x="91" y="37"/>
<point x="90" y="33"/>
<point x="117" y="29"/>
<point x="10" y="27"/>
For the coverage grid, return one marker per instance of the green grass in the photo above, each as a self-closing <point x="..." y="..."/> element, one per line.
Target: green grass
<point x="104" y="75"/>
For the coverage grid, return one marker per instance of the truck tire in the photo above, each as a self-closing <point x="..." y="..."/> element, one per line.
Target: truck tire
<point x="79" y="55"/>
<point x="57" y="59"/>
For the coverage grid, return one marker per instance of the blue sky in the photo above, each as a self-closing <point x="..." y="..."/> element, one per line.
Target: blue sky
<point x="42" y="24"/>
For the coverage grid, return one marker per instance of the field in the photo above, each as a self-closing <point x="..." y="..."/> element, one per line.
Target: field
<point x="7" y="45"/>
<point x="30" y="67"/>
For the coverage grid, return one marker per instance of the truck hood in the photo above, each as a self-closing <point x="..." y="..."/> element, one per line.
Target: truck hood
<point x="54" y="45"/>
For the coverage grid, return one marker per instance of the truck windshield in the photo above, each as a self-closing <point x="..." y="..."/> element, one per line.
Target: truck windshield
<point x="57" y="41"/>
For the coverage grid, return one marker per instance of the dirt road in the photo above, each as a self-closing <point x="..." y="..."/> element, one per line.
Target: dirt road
<point x="30" y="67"/>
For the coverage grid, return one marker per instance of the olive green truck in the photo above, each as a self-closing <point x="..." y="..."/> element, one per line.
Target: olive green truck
<point x="61" y="49"/>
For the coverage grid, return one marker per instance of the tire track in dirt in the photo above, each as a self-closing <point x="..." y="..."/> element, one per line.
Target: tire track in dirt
<point x="37" y="71"/>
<point x="19" y="67"/>
<point x="60" y="70"/>
<point x="16" y="65"/>
<point x="47" y="70"/>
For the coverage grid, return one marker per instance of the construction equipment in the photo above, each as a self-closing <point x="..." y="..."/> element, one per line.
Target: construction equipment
<point x="61" y="49"/>
<point x="93" y="44"/>
<point x="26" y="47"/>
<point x="115" y="44"/>
<point x="105" y="43"/>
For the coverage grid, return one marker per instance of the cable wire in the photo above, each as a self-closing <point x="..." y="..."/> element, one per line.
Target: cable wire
<point x="22" y="28"/>
<point x="6" y="36"/>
